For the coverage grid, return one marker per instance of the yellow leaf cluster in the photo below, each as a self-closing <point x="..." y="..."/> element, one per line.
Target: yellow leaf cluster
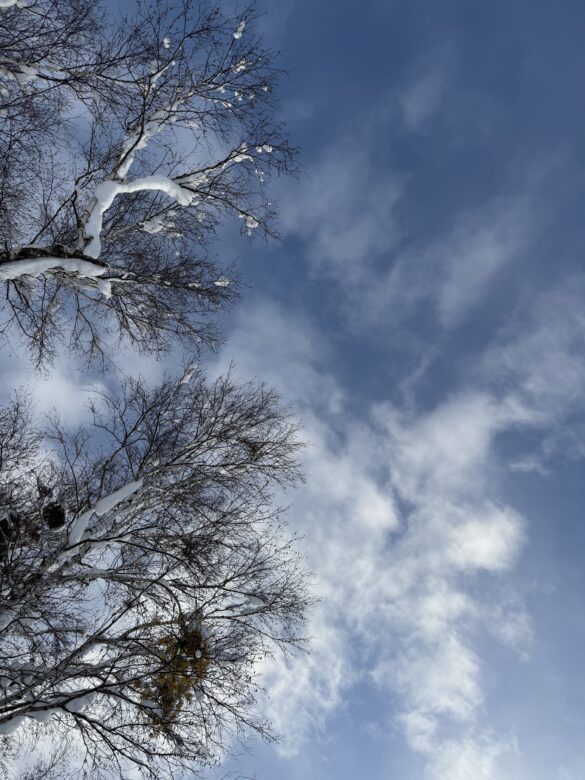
<point x="184" y="661"/>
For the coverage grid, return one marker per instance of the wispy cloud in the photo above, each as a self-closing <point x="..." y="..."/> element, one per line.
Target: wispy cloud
<point x="403" y="511"/>
<point x="348" y="214"/>
<point x="344" y="212"/>
<point x="66" y="391"/>
<point x="421" y="98"/>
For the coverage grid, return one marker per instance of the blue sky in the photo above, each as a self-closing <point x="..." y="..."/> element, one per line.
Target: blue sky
<point x="423" y="315"/>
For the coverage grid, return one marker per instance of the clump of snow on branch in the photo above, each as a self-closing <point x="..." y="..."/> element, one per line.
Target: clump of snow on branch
<point x="250" y="222"/>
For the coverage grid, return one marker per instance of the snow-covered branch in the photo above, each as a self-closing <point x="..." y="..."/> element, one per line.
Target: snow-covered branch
<point x="102" y="507"/>
<point x="107" y="191"/>
<point x="36" y="266"/>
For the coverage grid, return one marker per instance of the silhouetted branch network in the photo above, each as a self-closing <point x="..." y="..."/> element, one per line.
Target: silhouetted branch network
<point x="122" y="149"/>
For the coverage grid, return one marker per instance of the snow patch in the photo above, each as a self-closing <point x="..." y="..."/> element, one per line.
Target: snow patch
<point x="251" y="224"/>
<point x="35" y="266"/>
<point x="187" y="376"/>
<point x="105" y="287"/>
<point x="242" y="158"/>
<point x="80" y="703"/>
<point x="104" y="505"/>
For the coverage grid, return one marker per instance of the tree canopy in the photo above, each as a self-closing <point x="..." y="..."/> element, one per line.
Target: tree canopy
<point x="123" y="148"/>
<point x="145" y="568"/>
<point x="142" y="580"/>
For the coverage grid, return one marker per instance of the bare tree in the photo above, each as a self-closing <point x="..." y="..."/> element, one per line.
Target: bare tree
<point x="144" y="571"/>
<point x="123" y="147"/>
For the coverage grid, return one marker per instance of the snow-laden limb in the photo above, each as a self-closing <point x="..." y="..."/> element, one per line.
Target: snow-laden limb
<point x="250" y="606"/>
<point x="41" y="712"/>
<point x="180" y="189"/>
<point x="105" y="194"/>
<point x="161" y="118"/>
<point x="102" y="507"/>
<point x="139" y="138"/>
<point x="105" y="287"/>
<point x="151" y="125"/>
<point x="189" y="86"/>
<point x="36" y="266"/>
<point x="189" y="372"/>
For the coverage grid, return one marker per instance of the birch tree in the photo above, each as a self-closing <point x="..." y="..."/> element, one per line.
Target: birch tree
<point x="123" y="147"/>
<point x="144" y="571"/>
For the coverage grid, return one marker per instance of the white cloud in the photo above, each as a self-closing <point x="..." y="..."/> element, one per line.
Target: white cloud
<point x="544" y="362"/>
<point x="481" y="245"/>
<point x="455" y="271"/>
<point x="470" y="759"/>
<point x="403" y="512"/>
<point x="302" y="694"/>
<point x="449" y="685"/>
<point x="489" y="539"/>
<point x="397" y="603"/>
<point x="512" y="625"/>
<point x="66" y="391"/>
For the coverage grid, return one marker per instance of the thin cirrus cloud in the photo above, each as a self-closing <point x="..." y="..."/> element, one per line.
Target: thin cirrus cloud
<point x="348" y="220"/>
<point x="345" y="213"/>
<point x="455" y="272"/>
<point x="421" y="98"/>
